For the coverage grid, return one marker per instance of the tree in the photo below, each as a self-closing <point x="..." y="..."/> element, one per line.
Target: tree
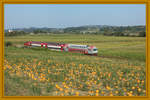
<point x="142" y="34"/>
<point x="118" y="33"/>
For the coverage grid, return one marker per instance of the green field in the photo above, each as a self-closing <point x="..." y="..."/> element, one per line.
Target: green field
<point x="118" y="70"/>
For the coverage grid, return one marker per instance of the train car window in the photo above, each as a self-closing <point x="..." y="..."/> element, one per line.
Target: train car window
<point x="94" y="49"/>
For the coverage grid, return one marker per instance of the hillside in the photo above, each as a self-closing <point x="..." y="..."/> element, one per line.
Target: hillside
<point x="87" y="29"/>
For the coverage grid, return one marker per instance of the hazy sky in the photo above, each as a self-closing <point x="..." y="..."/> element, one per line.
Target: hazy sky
<point x="63" y="15"/>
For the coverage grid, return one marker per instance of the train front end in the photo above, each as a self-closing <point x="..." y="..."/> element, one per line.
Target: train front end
<point x="92" y="50"/>
<point x="28" y="43"/>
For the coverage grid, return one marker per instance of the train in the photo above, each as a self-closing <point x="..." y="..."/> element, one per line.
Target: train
<point x="85" y="49"/>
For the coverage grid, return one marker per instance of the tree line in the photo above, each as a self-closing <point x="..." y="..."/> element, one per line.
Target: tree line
<point x="93" y="29"/>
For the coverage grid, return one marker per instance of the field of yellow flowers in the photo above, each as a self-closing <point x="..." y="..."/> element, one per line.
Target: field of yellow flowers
<point x="42" y="72"/>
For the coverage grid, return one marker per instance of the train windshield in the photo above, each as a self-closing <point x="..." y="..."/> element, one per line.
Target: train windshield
<point x="94" y="49"/>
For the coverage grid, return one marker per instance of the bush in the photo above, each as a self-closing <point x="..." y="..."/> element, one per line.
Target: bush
<point x="8" y="43"/>
<point x="142" y="34"/>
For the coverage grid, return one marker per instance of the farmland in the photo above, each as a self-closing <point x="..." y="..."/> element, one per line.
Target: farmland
<point x="118" y="70"/>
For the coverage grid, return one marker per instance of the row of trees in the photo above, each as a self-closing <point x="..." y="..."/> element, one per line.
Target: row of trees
<point x="15" y="33"/>
<point x="95" y="29"/>
<point x="140" y="34"/>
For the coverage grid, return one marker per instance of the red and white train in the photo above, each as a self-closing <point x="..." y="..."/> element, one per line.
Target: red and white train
<point x="85" y="49"/>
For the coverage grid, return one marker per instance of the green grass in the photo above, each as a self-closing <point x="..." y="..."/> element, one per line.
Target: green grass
<point x="125" y="47"/>
<point x="122" y="57"/>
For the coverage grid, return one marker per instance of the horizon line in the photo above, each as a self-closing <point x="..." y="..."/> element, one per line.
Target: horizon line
<point x="72" y="26"/>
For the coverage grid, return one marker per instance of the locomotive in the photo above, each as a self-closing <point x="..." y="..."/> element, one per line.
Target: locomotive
<point x="85" y="49"/>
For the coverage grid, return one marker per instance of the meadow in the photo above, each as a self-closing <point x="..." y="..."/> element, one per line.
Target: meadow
<point x="118" y="70"/>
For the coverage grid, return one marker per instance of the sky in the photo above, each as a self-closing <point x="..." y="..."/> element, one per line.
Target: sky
<point x="72" y="15"/>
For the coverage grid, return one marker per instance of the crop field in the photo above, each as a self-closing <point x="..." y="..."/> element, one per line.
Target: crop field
<point x="118" y="70"/>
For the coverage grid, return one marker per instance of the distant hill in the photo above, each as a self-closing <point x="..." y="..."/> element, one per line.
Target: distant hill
<point x="88" y="29"/>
